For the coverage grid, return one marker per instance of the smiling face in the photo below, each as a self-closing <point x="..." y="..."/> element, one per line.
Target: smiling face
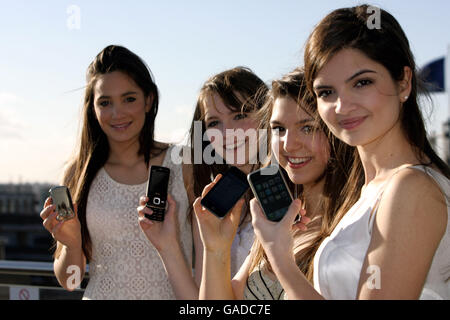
<point x="358" y="99"/>
<point x="299" y="146"/>
<point x="231" y="125"/>
<point x="120" y="107"/>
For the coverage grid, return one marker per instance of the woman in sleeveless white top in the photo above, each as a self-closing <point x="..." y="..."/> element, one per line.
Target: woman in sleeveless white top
<point x="339" y="260"/>
<point x="124" y="264"/>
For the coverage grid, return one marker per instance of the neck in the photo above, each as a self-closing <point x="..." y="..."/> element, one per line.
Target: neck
<point x="385" y="154"/>
<point x="124" y="153"/>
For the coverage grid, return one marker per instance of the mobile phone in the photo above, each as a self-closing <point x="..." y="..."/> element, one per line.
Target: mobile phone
<point x="63" y="202"/>
<point x="271" y="191"/>
<point x="158" y="183"/>
<point x="226" y="192"/>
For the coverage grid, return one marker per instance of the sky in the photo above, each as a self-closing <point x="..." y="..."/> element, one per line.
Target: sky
<point x="46" y="47"/>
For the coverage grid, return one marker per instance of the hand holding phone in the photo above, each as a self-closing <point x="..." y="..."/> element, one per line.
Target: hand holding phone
<point x="158" y="183"/>
<point x="217" y="234"/>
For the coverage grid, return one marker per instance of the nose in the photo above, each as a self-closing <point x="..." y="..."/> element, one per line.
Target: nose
<point x="344" y="104"/>
<point x="292" y="141"/>
<point x="117" y="110"/>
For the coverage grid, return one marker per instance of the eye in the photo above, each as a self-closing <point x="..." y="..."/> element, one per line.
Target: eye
<point x="240" y="116"/>
<point x="277" y="130"/>
<point x="308" y="129"/>
<point x="324" y="93"/>
<point x="130" y="99"/>
<point x="104" y="103"/>
<point x="363" y="83"/>
<point x="212" y="124"/>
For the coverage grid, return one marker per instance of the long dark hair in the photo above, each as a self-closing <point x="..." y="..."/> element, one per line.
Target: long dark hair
<point x="335" y="175"/>
<point x="93" y="149"/>
<point x="241" y="90"/>
<point x="387" y="45"/>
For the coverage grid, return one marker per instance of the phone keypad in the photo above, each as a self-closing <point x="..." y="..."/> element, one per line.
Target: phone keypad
<point x="158" y="214"/>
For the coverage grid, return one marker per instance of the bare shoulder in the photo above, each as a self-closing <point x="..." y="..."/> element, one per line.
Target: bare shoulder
<point x="412" y="198"/>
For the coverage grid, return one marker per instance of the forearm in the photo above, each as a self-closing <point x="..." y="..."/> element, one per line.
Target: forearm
<point x="292" y="279"/>
<point x="216" y="276"/>
<point x="180" y="274"/>
<point x="69" y="267"/>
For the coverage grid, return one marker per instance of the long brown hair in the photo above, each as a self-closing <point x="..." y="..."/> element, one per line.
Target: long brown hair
<point x="387" y="45"/>
<point x="335" y="175"/>
<point x="241" y="90"/>
<point x="93" y="149"/>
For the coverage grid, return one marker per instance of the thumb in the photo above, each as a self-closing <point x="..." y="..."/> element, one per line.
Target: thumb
<point x="235" y="214"/>
<point x="293" y="211"/>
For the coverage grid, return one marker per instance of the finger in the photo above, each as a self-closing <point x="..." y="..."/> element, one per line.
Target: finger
<point x="255" y="210"/>
<point x="48" y="202"/>
<point x="143" y="210"/>
<point x="56" y="228"/>
<point x="48" y="222"/>
<point x="198" y="208"/>
<point x="293" y="211"/>
<point x="235" y="214"/>
<point x="47" y="211"/>
<point x="143" y="200"/>
<point x="145" y="223"/>
<point x="212" y="184"/>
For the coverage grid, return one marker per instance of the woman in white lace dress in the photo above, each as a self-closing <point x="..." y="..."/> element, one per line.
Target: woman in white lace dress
<point x="227" y="101"/>
<point x="106" y="178"/>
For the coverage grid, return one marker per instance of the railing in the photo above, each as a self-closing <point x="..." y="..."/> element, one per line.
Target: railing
<point x="30" y="280"/>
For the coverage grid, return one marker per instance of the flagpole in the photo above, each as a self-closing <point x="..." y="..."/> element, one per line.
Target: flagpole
<point x="447" y="91"/>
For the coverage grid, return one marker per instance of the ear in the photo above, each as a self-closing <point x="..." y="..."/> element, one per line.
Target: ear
<point x="405" y="84"/>
<point x="148" y="103"/>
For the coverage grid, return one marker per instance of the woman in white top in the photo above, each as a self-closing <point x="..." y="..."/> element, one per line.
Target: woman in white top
<point x="226" y="102"/>
<point x="394" y="243"/>
<point x="106" y="178"/>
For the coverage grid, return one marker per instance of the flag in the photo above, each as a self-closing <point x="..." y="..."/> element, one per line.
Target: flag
<point x="433" y="75"/>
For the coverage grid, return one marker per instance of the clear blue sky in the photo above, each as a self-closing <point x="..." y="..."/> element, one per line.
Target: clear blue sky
<point x="43" y="62"/>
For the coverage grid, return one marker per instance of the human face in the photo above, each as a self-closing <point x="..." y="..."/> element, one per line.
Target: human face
<point x="358" y="99"/>
<point x="232" y="137"/>
<point x="299" y="146"/>
<point x="120" y="107"/>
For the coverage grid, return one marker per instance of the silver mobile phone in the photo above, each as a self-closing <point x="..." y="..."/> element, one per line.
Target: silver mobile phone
<point x="63" y="202"/>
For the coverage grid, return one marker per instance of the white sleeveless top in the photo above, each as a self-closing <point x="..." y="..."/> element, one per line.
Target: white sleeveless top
<point x="340" y="257"/>
<point x="125" y="265"/>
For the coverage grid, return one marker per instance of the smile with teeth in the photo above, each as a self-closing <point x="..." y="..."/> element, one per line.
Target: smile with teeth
<point x="121" y="125"/>
<point x="298" y="162"/>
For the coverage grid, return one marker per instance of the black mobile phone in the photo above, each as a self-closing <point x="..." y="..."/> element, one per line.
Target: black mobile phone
<point x="158" y="183"/>
<point x="270" y="188"/>
<point x="226" y="192"/>
<point x="63" y="202"/>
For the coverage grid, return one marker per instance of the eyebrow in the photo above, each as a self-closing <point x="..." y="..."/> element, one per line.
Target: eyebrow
<point x="319" y="87"/>
<point x="122" y="95"/>
<point x="298" y="122"/>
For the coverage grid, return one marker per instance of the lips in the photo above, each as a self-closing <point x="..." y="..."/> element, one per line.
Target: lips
<point x="351" y="123"/>
<point x="121" y="126"/>
<point x="298" y="162"/>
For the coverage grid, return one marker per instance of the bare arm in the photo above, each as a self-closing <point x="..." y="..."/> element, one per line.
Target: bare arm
<point x="408" y="227"/>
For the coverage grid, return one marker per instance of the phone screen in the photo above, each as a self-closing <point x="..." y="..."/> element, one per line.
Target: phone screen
<point x="62" y="200"/>
<point x="272" y="193"/>
<point x="228" y="190"/>
<point x="157" y="189"/>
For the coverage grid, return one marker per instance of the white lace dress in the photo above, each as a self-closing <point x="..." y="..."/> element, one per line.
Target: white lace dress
<point x="125" y="265"/>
